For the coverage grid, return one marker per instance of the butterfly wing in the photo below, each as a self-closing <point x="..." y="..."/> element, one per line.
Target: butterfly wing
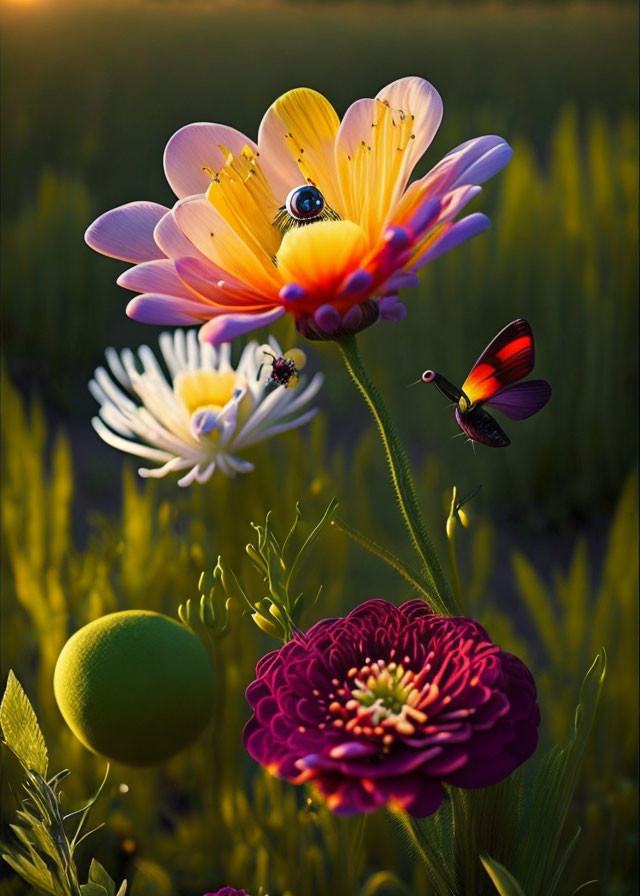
<point x="481" y="427"/>
<point x="508" y="358"/>
<point x="520" y="400"/>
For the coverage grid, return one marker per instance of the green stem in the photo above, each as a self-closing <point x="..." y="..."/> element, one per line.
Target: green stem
<point x="455" y="575"/>
<point x="401" y="476"/>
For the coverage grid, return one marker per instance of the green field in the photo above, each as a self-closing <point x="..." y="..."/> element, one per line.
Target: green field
<point x="89" y="98"/>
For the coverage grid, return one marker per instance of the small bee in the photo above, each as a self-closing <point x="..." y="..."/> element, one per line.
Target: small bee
<point x="285" y="370"/>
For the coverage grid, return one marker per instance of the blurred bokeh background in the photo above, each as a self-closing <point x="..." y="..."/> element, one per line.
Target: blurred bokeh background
<point x="90" y="95"/>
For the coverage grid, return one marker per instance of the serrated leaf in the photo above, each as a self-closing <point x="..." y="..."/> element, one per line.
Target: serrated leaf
<point x="93" y="890"/>
<point x="40" y="879"/>
<point x="98" y="875"/>
<point x="20" y="728"/>
<point x="504" y="882"/>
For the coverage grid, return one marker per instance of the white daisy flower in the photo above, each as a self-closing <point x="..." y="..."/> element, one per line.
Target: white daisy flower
<point x="203" y="413"/>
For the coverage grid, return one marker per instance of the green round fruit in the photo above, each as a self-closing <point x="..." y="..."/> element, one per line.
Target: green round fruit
<point x="136" y="686"/>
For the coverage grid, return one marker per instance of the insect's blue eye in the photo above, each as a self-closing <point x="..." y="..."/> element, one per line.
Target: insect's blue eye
<point x="304" y="203"/>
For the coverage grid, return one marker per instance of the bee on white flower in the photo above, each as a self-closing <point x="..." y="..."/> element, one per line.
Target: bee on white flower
<point x="199" y="414"/>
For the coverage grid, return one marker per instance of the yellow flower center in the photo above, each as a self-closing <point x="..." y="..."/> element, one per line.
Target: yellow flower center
<point x="319" y="257"/>
<point x="205" y="389"/>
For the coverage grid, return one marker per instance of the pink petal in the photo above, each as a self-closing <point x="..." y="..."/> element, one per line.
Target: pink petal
<point x="479" y="159"/>
<point x="356" y="126"/>
<point x="156" y="277"/>
<point x="203" y="277"/>
<point x="276" y="161"/>
<point x="472" y="162"/>
<point x="172" y="240"/>
<point x="424" y="219"/>
<point x="457" y="233"/>
<point x="126" y="232"/>
<point x="195" y="147"/>
<point x="417" y="97"/>
<point x="198" y="220"/>
<point x="214" y="238"/>
<point x="226" y="327"/>
<point x="166" y="310"/>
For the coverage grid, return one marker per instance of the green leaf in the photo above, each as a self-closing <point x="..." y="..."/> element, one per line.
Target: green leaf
<point x="98" y="875"/>
<point x="42" y="880"/>
<point x="548" y="796"/>
<point x="539" y="603"/>
<point x="20" y="728"/>
<point x="432" y="841"/>
<point x="123" y="889"/>
<point x="565" y="858"/>
<point x="583" y="886"/>
<point x="93" y="890"/>
<point x="504" y="882"/>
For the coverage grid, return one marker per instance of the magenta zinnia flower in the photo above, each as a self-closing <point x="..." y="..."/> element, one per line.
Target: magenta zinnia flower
<point x="316" y="219"/>
<point x="228" y="891"/>
<point x="384" y="706"/>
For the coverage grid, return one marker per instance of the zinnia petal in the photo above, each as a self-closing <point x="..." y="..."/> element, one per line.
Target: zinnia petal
<point x="383" y="706"/>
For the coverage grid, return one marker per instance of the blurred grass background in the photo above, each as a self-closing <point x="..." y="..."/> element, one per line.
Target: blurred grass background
<point x="90" y="96"/>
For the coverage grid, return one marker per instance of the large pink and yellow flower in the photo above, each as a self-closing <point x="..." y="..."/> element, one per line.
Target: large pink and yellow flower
<point x="317" y="219"/>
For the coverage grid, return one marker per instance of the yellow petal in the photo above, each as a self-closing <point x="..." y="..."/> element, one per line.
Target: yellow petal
<point x="379" y="143"/>
<point x="319" y="256"/>
<point x="212" y="235"/>
<point x="240" y="192"/>
<point x="303" y="124"/>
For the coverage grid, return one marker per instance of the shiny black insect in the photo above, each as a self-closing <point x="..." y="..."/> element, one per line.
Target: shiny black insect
<point x="283" y="371"/>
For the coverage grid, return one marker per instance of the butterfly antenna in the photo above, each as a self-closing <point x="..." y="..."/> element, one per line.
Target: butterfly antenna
<point x="469" y="497"/>
<point x="414" y="384"/>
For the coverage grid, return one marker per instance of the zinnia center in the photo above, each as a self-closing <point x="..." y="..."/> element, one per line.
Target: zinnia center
<point x="385" y="697"/>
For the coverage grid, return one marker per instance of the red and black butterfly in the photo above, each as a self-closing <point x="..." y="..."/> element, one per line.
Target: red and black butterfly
<point x="493" y="382"/>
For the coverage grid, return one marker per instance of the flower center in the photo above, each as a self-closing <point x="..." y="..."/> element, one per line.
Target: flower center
<point x="200" y="389"/>
<point x="386" y="687"/>
<point x="383" y="700"/>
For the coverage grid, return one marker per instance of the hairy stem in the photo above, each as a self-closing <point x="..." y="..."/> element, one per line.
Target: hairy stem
<point x="401" y="476"/>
